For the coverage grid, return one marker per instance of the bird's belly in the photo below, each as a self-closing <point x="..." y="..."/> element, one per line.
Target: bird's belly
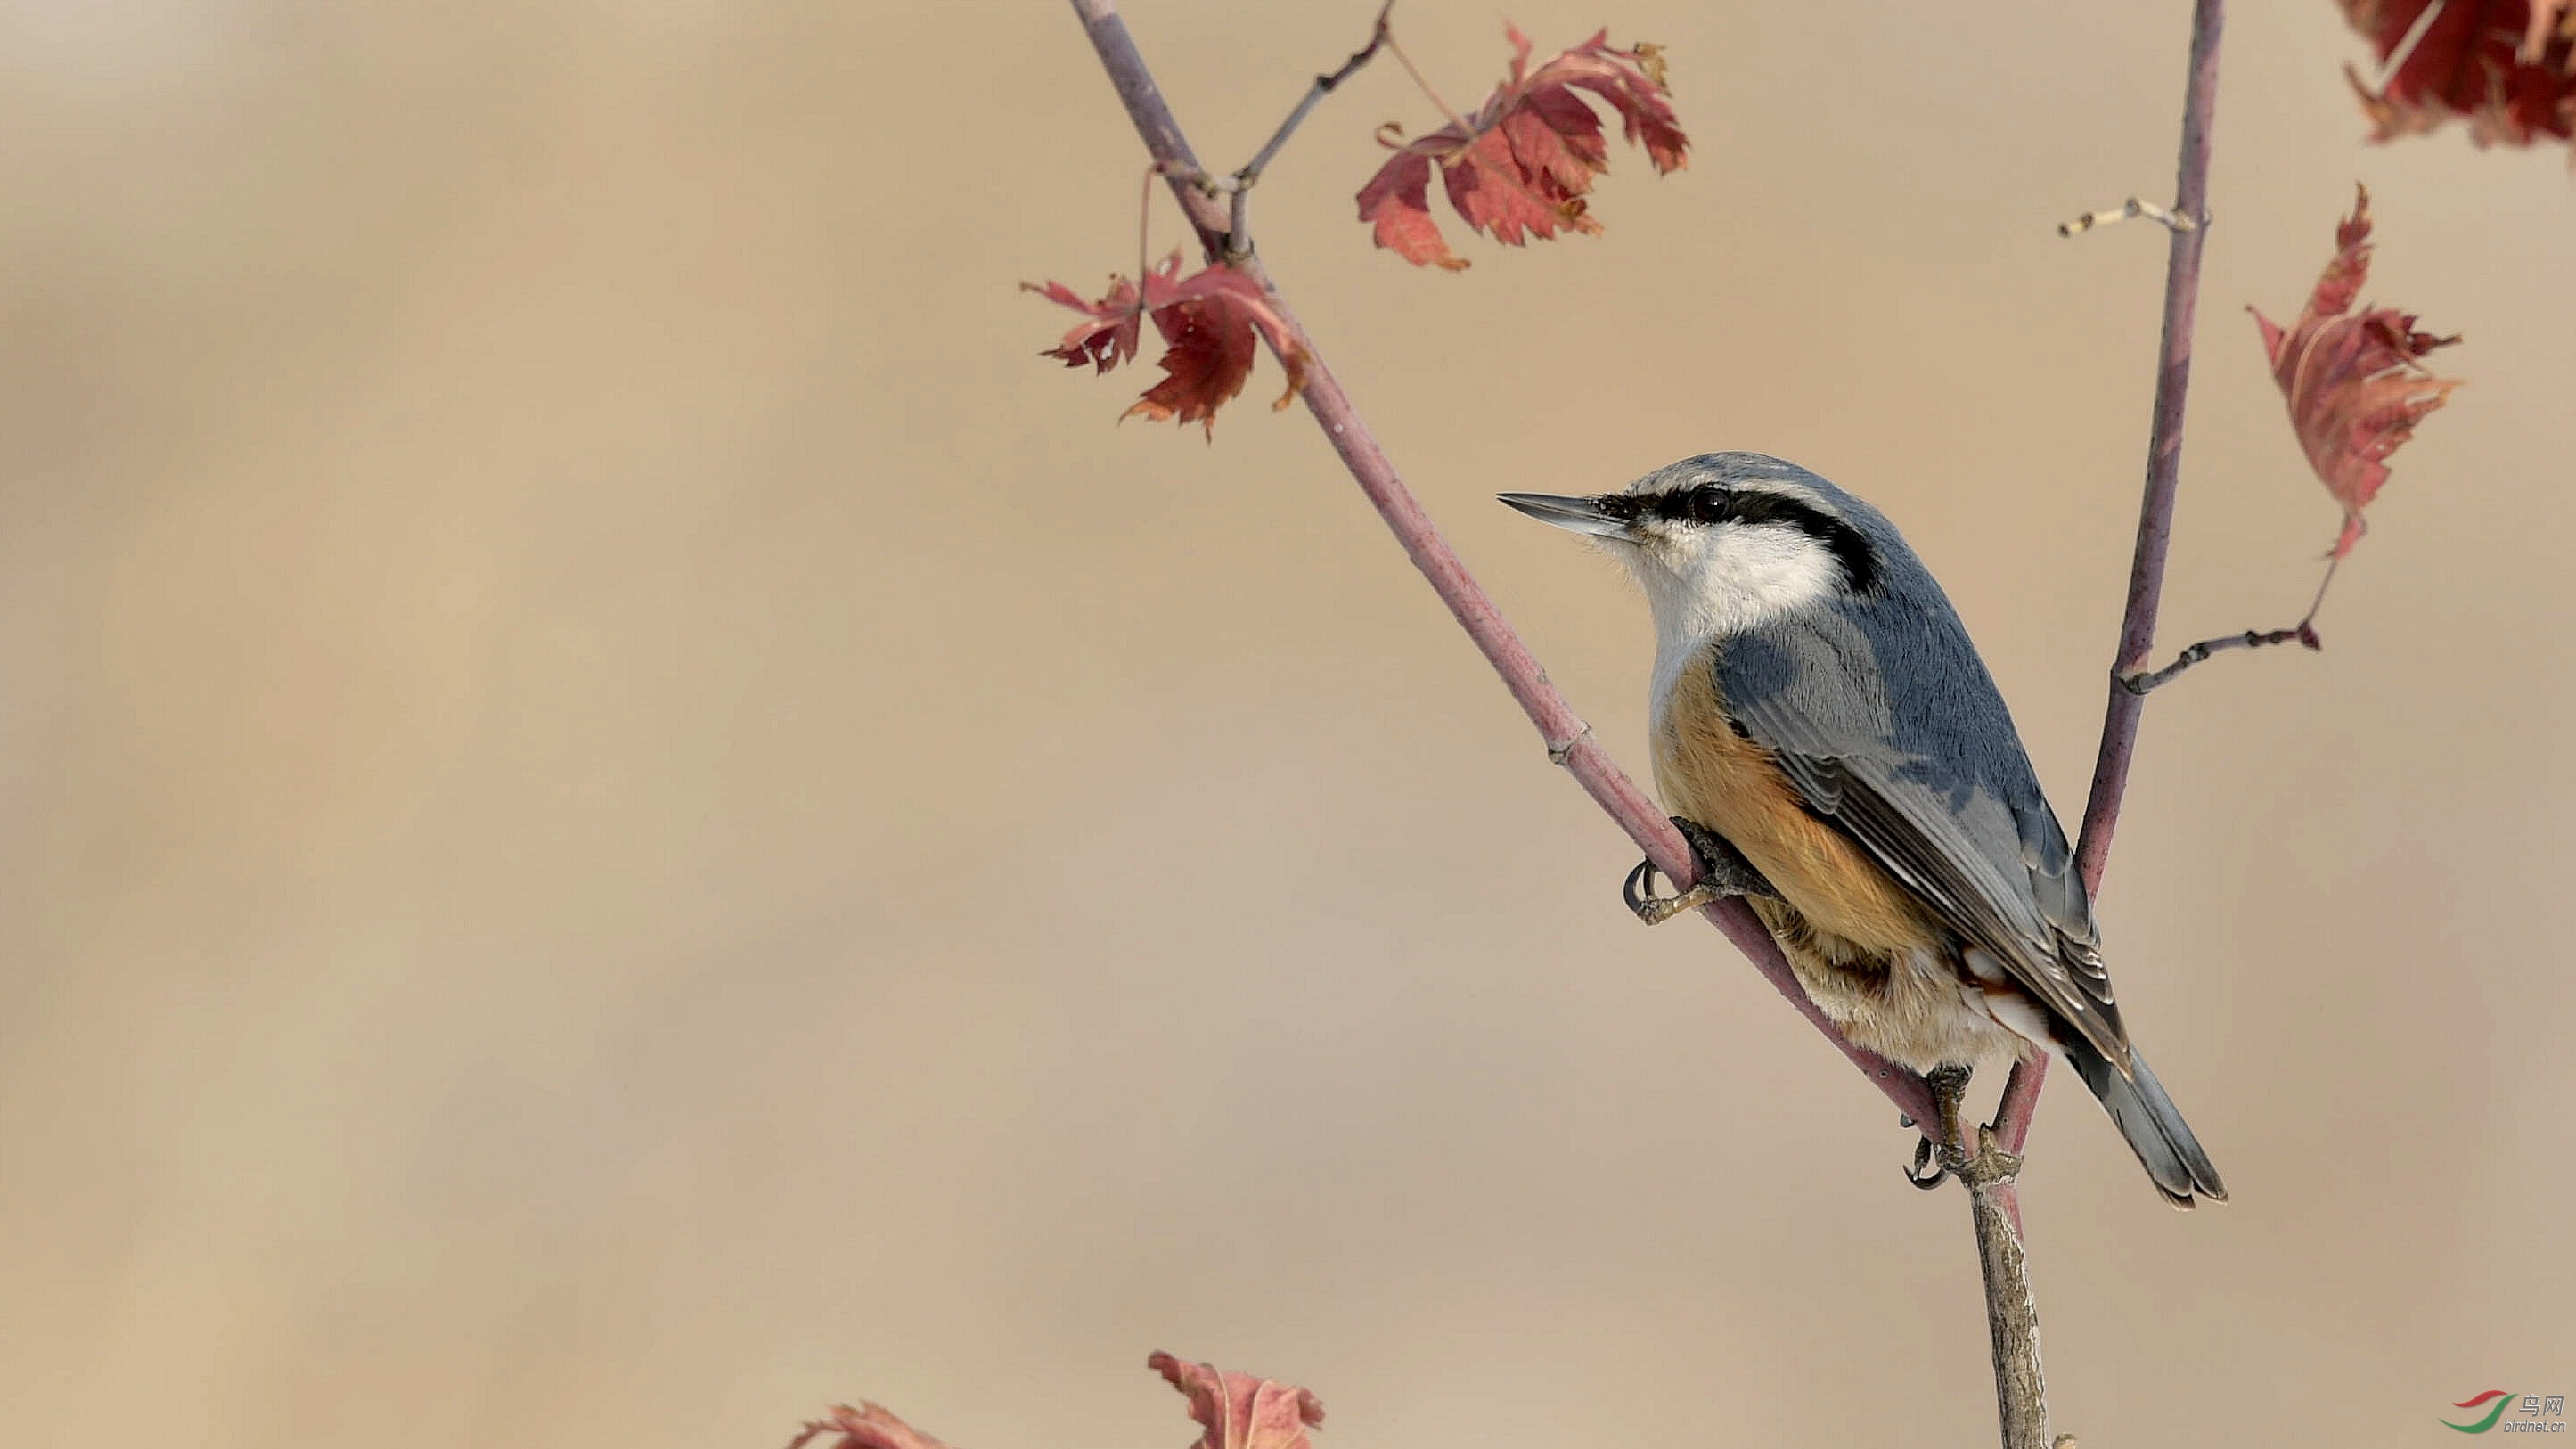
<point x="1912" y="1007"/>
<point x="1869" y="954"/>
<point x="1713" y="775"/>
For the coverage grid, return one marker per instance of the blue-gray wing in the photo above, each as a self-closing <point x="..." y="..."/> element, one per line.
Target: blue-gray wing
<point x="1888" y="724"/>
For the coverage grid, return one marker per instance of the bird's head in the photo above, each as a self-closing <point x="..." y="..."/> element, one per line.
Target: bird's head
<point x="1726" y="541"/>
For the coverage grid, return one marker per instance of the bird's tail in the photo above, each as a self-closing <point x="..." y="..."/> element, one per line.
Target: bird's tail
<point x="2147" y="1117"/>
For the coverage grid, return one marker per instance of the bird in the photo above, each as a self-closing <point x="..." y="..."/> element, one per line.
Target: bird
<point x="1829" y="738"/>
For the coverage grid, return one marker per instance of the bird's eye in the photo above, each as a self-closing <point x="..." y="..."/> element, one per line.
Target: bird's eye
<point x="1707" y="504"/>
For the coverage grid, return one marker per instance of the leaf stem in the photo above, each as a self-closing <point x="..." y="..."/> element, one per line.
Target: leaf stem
<point x="1144" y="234"/>
<point x="2333" y="561"/>
<point x="1455" y="119"/>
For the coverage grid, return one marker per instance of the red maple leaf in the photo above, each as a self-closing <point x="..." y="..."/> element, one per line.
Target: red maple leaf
<point x="2508" y="67"/>
<point x="1241" y="1411"/>
<point x="2355" y="382"/>
<point x="869" y="1426"/>
<point x="1212" y="322"/>
<point x="1109" y="338"/>
<point x="1523" y="161"/>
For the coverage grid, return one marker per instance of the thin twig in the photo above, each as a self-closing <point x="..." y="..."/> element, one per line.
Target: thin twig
<point x="2164" y="452"/>
<point x="2134" y="207"/>
<point x="1570" y="741"/>
<point x="1238" y="238"/>
<point x="1324" y="86"/>
<point x="2304" y="631"/>
<point x="2007" y="1283"/>
<point x="2250" y="639"/>
<point x="2155" y="512"/>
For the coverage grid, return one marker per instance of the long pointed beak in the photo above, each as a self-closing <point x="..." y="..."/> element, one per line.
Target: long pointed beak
<point x="1578" y="515"/>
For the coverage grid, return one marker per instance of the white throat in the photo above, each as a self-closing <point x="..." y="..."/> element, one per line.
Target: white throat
<point x="1723" y="582"/>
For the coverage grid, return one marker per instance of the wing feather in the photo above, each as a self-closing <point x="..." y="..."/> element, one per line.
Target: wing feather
<point x="1966" y="828"/>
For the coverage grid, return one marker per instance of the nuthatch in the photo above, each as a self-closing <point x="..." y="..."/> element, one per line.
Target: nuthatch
<point x="1822" y="719"/>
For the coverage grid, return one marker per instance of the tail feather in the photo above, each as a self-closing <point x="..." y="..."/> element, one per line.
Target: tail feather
<point x="2148" y="1119"/>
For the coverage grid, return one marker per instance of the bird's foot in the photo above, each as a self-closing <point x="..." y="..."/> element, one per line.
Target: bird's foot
<point x="1723" y="872"/>
<point x="1936" y="1160"/>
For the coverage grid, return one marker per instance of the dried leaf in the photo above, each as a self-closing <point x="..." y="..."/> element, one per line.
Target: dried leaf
<point x="1396" y="202"/>
<point x="1241" y="1411"/>
<point x="1211" y="324"/>
<point x="1487" y="186"/>
<point x="2507" y="67"/>
<point x="869" y="1426"/>
<point x="1525" y="159"/>
<point x="2355" y="383"/>
<point x="1105" y="341"/>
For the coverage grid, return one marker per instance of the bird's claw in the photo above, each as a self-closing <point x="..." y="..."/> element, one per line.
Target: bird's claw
<point x="1654" y="910"/>
<point x="1935" y="1161"/>
<point x="1723" y="872"/>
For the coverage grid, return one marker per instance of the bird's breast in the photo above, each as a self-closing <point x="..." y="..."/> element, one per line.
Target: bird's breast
<point x="1710" y="773"/>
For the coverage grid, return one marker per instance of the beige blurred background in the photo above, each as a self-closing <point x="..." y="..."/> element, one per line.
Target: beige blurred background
<point x="625" y="817"/>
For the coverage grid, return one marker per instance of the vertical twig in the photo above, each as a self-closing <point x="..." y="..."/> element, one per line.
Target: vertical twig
<point x="2164" y="449"/>
<point x="2155" y="515"/>
<point x="1996" y="1206"/>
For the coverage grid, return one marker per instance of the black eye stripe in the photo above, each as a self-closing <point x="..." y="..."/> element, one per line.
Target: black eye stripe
<point x="1711" y="503"/>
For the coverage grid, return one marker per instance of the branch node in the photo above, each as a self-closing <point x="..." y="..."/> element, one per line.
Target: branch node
<point x="1558" y="751"/>
<point x="1991" y="1167"/>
